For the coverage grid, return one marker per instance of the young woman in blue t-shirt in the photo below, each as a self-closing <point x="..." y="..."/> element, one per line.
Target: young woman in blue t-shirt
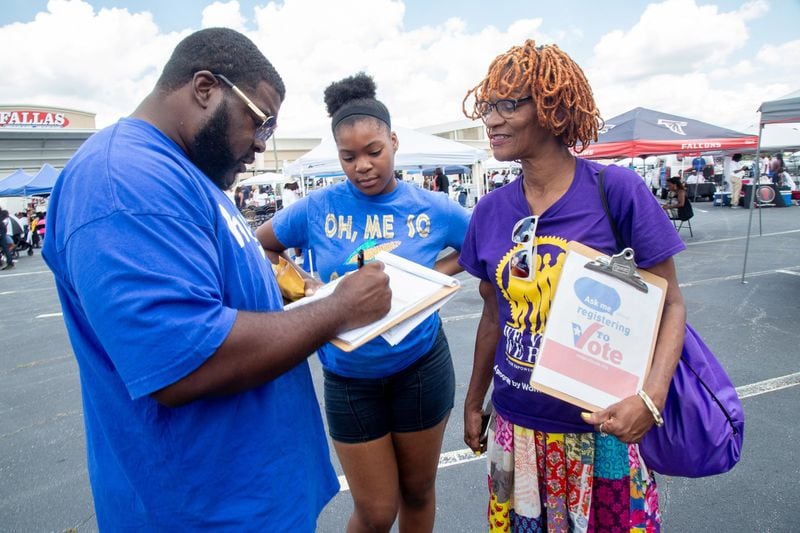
<point x="386" y="406"/>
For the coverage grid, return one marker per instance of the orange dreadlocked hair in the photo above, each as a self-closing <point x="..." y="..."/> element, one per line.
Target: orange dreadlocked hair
<point x="562" y="96"/>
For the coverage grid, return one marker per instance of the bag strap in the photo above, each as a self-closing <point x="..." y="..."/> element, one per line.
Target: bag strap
<point x="604" y="200"/>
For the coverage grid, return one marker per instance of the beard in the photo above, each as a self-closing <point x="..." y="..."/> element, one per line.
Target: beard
<point x="210" y="150"/>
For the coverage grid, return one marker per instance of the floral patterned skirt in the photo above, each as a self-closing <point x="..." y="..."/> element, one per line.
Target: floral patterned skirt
<point x="570" y="482"/>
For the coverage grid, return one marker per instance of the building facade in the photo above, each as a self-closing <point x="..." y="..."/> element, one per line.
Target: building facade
<point x="32" y="135"/>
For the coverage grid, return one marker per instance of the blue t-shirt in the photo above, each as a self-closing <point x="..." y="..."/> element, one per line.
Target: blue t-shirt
<point x="338" y="221"/>
<point x="523" y="306"/>
<point x="698" y="163"/>
<point x="152" y="262"/>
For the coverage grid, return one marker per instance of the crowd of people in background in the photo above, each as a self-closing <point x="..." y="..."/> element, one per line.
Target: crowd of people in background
<point x="498" y="178"/>
<point x="21" y="231"/>
<point x="735" y="172"/>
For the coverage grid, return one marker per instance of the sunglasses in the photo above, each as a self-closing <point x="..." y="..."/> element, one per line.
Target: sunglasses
<point x="267" y="127"/>
<point x="523" y="262"/>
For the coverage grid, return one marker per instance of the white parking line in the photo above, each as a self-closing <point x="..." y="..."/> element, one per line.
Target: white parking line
<point x="460" y="317"/>
<point x="466" y="455"/>
<point x="49" y="315"/>
<point x="768" y="385"/>
<point x="446" y="459"/>
<point x="728" y="239"/>
<point x="25" y="291"/>
<point x="784" y="270"/>
<point x="15" y="274"/>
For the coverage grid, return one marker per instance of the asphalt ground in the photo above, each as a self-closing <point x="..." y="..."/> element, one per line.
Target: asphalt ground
<point x="752" y="328"/>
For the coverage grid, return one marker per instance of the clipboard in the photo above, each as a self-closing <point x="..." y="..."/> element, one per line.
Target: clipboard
<point x="417" y="292"/>
<point x="601" y="331"/>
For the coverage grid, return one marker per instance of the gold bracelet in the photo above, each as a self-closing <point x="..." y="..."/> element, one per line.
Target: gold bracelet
<point x="651" y="407"/>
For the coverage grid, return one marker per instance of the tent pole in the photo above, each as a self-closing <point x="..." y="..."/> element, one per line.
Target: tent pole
<point x="756" y="178"/>
<point x="760" y="210"/>
<point x="275" y="152"/>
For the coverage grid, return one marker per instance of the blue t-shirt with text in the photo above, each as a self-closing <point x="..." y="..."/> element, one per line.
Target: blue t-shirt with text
<point x="152" y="264"/>
<point x="338" y="221"/>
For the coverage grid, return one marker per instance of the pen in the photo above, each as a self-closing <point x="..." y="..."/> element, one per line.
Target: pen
<point x="360" y="258"/>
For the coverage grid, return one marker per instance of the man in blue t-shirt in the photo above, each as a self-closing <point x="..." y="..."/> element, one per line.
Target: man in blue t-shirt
<point x="698" y="163"/>
<point x="198" y="403"/>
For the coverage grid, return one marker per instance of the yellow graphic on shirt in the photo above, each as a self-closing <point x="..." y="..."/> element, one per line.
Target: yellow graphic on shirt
<point x="376" y="226"/>
<point x="371" y="249"/>
<point x="530" y="301"/>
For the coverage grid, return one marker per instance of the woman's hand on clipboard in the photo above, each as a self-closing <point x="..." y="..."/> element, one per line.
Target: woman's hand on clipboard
<point x="628" y="420"/>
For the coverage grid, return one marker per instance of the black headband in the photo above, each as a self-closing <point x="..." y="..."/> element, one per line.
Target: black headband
<point x="377" y="111"/>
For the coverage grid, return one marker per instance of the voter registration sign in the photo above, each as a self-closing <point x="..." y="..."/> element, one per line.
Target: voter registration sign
<point x="601" y="331"/>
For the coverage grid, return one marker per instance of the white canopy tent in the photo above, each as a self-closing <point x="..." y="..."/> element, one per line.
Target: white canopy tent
<point x="781" y="137"/>
<point x="493" y="164"/>
<point x="416" y="151"/>
<point x="781" y="111"/>
<point x="784" y="110"/>
<point x="267" y="178"/>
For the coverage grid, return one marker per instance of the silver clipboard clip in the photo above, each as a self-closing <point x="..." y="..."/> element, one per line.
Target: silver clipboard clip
<point x="620" y="266"/>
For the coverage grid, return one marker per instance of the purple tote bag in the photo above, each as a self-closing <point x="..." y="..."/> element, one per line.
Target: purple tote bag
<point x="703" y="418"/>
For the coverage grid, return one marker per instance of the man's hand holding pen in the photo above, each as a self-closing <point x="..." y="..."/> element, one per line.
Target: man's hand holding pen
<point x="365" y="295"/>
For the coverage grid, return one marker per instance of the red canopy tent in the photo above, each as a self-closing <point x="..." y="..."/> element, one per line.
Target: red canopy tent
<point x="643" y="131"/>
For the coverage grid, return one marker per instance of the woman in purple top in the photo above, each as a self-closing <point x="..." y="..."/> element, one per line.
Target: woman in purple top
<point x="550" y="465"/>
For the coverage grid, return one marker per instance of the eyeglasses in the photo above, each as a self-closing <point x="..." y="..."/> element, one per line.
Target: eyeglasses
<point x="267" y="127"/>
<point x="523" y="262"/>
<point x="505" y="107"/>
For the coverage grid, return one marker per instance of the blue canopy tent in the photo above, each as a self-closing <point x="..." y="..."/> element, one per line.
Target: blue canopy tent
<point x="447" y="169"/>
<point x="13" y="180"/>
<point x="21" y="184"/>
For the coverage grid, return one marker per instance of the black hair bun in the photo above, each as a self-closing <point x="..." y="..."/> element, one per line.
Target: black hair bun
<point x="356" y="87"/>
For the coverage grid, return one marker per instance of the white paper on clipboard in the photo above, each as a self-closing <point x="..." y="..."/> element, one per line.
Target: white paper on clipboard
<point x="396" y="334"/>
<point x="417" y="292"/>
<point x="600" y="335"/>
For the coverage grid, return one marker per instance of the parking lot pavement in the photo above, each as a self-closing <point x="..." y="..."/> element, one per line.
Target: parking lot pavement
<point x="752" y="328"/>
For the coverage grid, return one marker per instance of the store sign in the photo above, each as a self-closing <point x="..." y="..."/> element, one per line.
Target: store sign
<point x="32" y="119"/>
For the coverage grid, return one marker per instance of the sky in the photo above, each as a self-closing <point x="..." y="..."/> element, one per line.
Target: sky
<point x="713" y="60"/>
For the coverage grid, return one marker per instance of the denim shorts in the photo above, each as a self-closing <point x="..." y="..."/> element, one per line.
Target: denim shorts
<point x="416" y="398"/>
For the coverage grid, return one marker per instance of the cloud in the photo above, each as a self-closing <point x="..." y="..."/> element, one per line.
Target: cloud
<point x="105" y="61"/>
<point x="101" y="61"/>
<point x="676" y="36"/>
<point x="114" y="59"/>
<point x="225" y="14"/>
<point x="783" y="57"/>
<point x="422" y="74"/>
<point x="662" y="64"/>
